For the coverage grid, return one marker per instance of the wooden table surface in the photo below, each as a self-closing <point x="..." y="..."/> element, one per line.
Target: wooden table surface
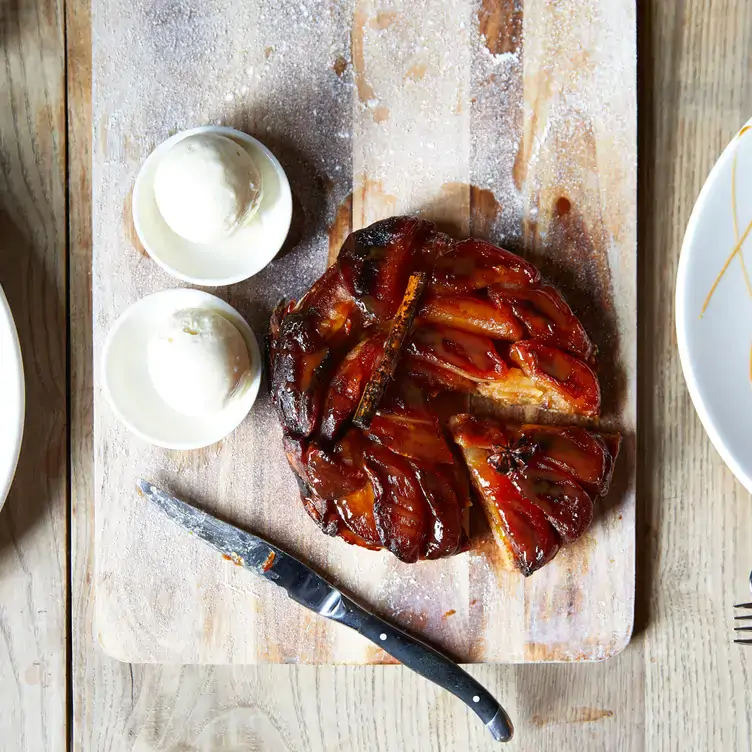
<point x="680" y="685"/>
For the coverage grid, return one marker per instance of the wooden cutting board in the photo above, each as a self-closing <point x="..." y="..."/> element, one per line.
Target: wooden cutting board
<point x="506" y="120"/>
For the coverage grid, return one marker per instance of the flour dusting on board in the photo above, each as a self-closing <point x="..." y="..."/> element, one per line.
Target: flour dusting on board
<point x="477" y="114"/>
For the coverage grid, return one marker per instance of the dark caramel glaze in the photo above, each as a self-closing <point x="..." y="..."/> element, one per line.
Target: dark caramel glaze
<point x="486" y="323"/>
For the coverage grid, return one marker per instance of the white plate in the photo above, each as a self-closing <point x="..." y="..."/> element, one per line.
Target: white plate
<point x="716" y="347"/>
<point x="12" y="396"/>
<point x="242" y="255"/>
<point x="128" y="387"/>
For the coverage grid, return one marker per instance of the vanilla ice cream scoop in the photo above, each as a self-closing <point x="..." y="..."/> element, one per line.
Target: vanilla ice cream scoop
<point x="198" y="361"/>
<point x="206" y="186"/>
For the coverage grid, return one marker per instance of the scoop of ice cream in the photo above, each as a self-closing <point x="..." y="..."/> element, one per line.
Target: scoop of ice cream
<point x="197" y="361"/>
<point x="206" y="186"/>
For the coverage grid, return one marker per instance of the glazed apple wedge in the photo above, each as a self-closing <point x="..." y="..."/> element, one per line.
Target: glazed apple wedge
<point x="537" y="484"/>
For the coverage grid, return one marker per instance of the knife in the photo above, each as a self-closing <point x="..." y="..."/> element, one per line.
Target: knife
<point x="309" y="589"/>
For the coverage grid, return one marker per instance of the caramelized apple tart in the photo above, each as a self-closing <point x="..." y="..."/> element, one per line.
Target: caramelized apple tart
<point x="404" y="314"/>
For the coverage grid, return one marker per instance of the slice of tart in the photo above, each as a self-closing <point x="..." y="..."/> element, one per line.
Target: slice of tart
<point x="537" y="484"/>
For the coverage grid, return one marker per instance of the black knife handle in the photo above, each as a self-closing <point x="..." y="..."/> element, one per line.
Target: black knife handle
<point x="309" y="589"/>
<point x="428" y="662"/>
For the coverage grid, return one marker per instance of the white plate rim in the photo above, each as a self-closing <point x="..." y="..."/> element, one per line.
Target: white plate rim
<point x="11" y="377"/>
<point x="693" y="386"/>
<point x="157" y="152"/>
<point x="245" y="330"/>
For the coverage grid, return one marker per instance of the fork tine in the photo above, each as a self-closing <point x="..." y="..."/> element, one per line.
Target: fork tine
<point x="744" y="618"/>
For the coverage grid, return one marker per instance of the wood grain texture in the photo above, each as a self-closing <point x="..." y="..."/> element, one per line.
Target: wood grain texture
<point x="471" y="126"/>
<point x="697" y="543"/>
<point x="33" y="533"/>
<point x="89" y="669"/>
<point x="694" y="529"/>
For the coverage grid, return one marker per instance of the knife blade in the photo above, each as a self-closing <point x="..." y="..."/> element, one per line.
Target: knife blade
<point x="311" y="590"/>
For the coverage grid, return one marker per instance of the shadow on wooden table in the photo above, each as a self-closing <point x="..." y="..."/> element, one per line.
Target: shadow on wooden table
<point x="36" y="300"/>
<point x="309" y="187"/>
<point x="312" y="206"/>
<point x="647" y="303"/>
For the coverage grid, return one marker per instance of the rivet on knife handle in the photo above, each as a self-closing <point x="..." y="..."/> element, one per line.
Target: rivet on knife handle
<point x="426" y="661"/>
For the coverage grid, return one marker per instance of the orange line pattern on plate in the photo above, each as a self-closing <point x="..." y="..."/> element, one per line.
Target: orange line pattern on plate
<point x="739" y="242"/>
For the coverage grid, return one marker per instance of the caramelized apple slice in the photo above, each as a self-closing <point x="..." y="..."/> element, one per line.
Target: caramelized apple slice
<point x="518" y="389"/>
<point x="518" y="526"/>
<point x="470" y="355"/>
<point x="581" y="454"/>
<point x="325" y="514"/>
<point x="347" y="384"/>
<point x="406" y="424"/>
<point x="298" y="382"/>
<point x="445" y="490"/>
<point x="532" y="538"/>
<point x="325" y="311"/>
<point x="328" y="474"/>
<point x="348" y="511"/>
<point x="399" y="507"/>
<point x="322" y="512"/>
<point x="435" y="244"/>
<point x="348" y="536"/>
<point x="356" y="512"/>
<point x="569" y="384"/>
<point x="545" y="315"/>
<point x="435" y="378"/>
<point x="407" y="398"/>
<point x="613" y="445"/>
<point x="479" y="432"/>
<point x="417" y="439"/>
<point x="418" y="511"/>
<point x="471" y="314"/>
<point x="377" y="261"/>
<point x="567" y="506"/>
<point x="302" y="344"/>
<point x="473" y="264"/>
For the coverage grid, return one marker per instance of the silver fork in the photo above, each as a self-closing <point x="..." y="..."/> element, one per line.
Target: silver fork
<point x="744" y="618"/>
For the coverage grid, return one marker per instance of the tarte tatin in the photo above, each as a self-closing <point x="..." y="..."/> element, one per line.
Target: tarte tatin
<point x="407" y="313"/>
